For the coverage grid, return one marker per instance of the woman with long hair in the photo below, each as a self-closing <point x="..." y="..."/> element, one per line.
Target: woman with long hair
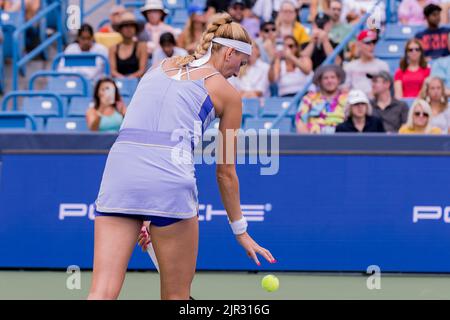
<point x="413" y="71"/>
<point x="433" y="92"/>
<point x="150" y="173"/>
<point x="193" y="31"/>
<point x="109" y="109"/>
<point x="419" y="120"/>
<point x="287" y="23"/>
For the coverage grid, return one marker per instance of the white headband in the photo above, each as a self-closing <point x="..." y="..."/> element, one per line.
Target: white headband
<point x="235" y="44"/>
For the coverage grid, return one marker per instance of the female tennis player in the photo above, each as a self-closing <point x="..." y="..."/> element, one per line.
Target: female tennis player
<point x="143" y="182"/>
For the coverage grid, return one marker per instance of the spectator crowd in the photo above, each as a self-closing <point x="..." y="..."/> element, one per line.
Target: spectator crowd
<point x="357" y="92"/>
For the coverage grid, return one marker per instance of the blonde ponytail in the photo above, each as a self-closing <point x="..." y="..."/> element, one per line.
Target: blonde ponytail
<point x="222" y="26"/>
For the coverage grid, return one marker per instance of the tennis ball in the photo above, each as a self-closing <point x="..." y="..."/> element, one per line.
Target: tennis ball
<point x="270" y="283"/>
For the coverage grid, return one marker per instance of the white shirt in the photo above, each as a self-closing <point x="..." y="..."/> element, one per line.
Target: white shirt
<point x="256" y="78"/>
<point x="442" y="121"/>
<point x="356" y="71"/>
<point x="358" y="6"/>
<point x="264" y="8"/>
<point x="91" y="73"/>
<point x="292" y="82"/>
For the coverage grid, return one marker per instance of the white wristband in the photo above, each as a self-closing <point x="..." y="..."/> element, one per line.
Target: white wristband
<point x="239" y="226"/>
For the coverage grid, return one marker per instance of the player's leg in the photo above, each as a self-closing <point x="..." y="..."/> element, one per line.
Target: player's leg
<point x="115" y="239"/>
<point x="176" y="248"/>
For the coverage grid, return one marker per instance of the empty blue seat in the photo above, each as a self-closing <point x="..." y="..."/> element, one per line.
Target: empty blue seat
<point x="66" y="84"/>
<point x="44" y="107"/>
<point x="285" y="125"/>
<point x="17" y="121"/>
<point x="180" y="16"/>
<point x="126" y="87"/>
<point x="250" y="108"/>
<point x="274" y="106"/>
<point x="10" y="22"/>
<point x="66" y="125"/>
<point x="174" y="4"/>
<point x="390" y="49"/>
<point x="400" y="32"/>
<point x="79" y="105"/>
<point x="394" y="64"/>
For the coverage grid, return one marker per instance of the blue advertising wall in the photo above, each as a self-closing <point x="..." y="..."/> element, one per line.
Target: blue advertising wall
<point x="321" y="212"/>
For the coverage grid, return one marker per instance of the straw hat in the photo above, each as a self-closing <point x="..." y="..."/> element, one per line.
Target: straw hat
<point x="129" y="19"/>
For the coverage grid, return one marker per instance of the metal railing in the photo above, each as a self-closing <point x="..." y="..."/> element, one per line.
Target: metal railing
<point x="57" y="37"/>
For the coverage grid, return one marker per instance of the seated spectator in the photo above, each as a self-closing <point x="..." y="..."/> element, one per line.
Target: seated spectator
<point x="108" y="111"/>
<point x="85" y="44"/>
<point x="268" y="10"/>
<point x="287" y="24"/>
<point x="192" y="33"/>
<point x="321" y="46"/>
<point x="355" y="9"/>
<point x="167" y="49"/>
<point x="339" y="29"/>
<point x="322" y="111"/>
<point x="441" y="68"/>
<point x="419" y="120"/>
<point x="216" y="6"/>
<point x="290" y="70"/>
<point x="129" y="58"/>
<point x="434" y="38"/>
<point x="267" y="41"/>
<point x="115" y="16"/>
<point x="433" y="92"/>
<point x="410" y="12"/>
<point x="253" y="81"/>
<point x="250" y="24"/>
<point x="155" y="14"/>
<point x="357" y="69"/>
<point x="358" y="114"/>
<point x="413" y="71"/>
<point x="393" y="112"/>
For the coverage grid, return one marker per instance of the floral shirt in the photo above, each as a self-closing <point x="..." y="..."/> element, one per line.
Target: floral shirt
<point x="322" y="115"/>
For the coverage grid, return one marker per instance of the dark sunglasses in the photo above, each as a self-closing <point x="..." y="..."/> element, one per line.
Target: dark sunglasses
<point x="291" y="46"/>
<point x="270" y="30"/>
<point x="414" y="49"/>
<point x="421" y="114"/>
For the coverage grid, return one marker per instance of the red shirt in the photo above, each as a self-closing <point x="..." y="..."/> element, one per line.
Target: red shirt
<point x="412" y="81"/>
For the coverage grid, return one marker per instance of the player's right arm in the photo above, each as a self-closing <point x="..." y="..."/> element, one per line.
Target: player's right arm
<point x="228" y="105"/>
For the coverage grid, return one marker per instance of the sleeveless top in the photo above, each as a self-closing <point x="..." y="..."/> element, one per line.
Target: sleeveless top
<point x="129" y="65"/>
<point x="111" y="123"/>
<point x="293" y="81"/>
<point x="150" y="168"/>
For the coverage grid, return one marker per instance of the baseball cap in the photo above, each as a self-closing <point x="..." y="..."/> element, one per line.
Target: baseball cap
<point x="357" y="96"/>
<point x="367" y="36"/>
<point x="381" y="74"/>
<point x="240" y="2"/>
<point x="429" y="9"/>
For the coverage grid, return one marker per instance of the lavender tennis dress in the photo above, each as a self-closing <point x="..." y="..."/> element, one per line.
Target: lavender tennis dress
<point x="141" y="177"/>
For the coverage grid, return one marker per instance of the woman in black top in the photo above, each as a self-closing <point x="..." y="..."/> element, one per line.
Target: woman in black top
<point x="129" y="58"/>
<point x="359" y="115"/>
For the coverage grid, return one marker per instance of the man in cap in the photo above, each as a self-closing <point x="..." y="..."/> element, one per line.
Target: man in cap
<point x="359" y="115"/>
<point x="322" y="111"/>
<point x="393" y="112"/>
<point x="236" y="10"/>
<point x="434" y="39"/>
<point x="356" y="70"/>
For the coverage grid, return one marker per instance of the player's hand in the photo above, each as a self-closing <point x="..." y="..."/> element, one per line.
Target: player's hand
<point x="144" y="238"/>
<point x="252" y="248"/>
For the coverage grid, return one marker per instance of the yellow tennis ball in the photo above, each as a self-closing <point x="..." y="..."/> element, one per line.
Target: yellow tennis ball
<point x="270" y="283"/>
